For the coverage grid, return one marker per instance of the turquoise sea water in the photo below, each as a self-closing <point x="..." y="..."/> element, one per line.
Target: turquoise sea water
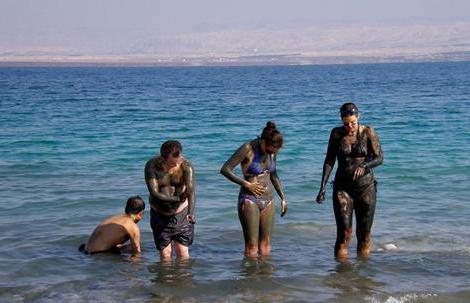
<point x="74" y="142"/>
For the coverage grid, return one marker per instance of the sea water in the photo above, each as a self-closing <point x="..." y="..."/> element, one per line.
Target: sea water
<point x="74" y="142"/>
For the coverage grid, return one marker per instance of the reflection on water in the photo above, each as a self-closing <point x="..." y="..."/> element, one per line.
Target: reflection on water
<point x="352" y="279"/>
<point x="249" y="278"/>
<point x="171" y="281"/>
<point x="256" y="267"/>
<point x="173" y="272"/>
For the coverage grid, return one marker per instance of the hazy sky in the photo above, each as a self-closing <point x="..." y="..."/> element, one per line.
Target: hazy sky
<point x="182" y="16"/>
<point x="204" y="27"/>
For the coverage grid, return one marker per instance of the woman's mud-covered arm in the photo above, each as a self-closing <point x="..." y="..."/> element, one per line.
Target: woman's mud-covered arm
<point x="276" y="181"/>
<point x="376" y="155"/>
<point x="227" y="169"/>
<point x="328" y="164"/>
<point x="330" y="158"/>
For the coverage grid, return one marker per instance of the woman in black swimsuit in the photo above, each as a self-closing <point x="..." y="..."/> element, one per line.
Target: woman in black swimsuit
<point x="256" y="199"/>
<point x="358" y="150"/>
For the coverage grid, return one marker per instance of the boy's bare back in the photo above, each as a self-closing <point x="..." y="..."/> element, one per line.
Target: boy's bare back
<point x="111" y="233"/>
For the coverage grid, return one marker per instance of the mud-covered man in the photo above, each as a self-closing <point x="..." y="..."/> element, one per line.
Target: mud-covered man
<point x="170" y="181"/>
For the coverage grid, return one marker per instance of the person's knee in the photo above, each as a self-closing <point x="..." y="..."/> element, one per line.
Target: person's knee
<point x="165" y="255"/>
<point x="183" y="255"/>
<point x="182" y="251"/>
<point x="165" y="252"/>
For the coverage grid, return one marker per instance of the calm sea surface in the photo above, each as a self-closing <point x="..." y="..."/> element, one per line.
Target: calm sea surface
<point x="74" y="142"/>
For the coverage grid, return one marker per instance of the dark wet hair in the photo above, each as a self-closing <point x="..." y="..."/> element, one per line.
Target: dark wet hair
<point x="348" y="109"/>
<point x="171" y="147"/>
<point x="271" y="135"/>
<point x="134" y="205"/>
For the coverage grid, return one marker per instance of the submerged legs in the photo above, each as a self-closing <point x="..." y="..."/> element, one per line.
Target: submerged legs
<point x="343" y="208"/>
<point x="363" y="204"/>
<point x="257" y="227"/>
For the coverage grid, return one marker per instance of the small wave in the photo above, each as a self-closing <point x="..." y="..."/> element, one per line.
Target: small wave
<point x="408" y="298"/>
<point x="37" y="87"/>
<point x="429" y="95"/>
<point x="387" y="247"/>
<point x="197" y="86"/>
<point x="464" y="252"/>
<point x="426" y="244"/>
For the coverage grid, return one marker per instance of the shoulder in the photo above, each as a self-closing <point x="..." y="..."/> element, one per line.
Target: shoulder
<point x="151" y="161"/>
<point x="247" y="147"/>
<point x="369" y="131"/>
<point x="116" y="219"/>
<point x="337" y="132"/>
<point x="251" y="145"/>
<point x="186" y="164"/>
<point x="154" y="162"/>
<point x="132" y="228"/>
<point x="129" y="226"/>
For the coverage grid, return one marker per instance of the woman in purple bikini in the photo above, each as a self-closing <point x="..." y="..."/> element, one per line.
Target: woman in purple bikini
<point x="256" y="200"/>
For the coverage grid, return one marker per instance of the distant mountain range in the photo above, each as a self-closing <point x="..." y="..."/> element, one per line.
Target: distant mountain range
<point x="243" y="46"/>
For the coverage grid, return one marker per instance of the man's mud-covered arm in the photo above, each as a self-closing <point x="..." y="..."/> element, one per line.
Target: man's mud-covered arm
<point x="190" y="191"/>
<point x="152" y="186"/>
<point x="376" y="157"/>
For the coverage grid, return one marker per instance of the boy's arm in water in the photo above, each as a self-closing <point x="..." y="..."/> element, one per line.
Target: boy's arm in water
<point x="134" y="237"/>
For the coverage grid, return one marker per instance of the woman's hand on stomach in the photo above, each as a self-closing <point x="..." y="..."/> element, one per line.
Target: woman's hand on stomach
<point x="258" y="185"/>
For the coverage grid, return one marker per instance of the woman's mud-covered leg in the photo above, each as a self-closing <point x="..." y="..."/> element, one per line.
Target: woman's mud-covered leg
<point x="248" y="213"/>
<point x="265" y="229"/>
<point x="343" y="208"/>
<point x="365" y="209"/>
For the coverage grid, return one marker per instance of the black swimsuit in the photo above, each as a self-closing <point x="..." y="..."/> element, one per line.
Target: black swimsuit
<point x="346" y="154"/>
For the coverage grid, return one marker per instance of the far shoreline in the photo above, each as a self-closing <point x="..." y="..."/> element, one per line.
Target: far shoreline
<point x="242" y="61"/>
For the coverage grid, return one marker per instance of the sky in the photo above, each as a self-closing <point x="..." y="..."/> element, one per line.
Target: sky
<point x="184" y="16"/>
<point x="104" y="26"/>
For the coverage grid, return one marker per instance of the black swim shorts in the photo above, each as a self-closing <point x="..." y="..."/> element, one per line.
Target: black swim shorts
<point x="171" y="228"/>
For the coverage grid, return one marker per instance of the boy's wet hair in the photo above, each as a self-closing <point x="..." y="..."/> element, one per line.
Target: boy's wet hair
<point x="134" y="205"/>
